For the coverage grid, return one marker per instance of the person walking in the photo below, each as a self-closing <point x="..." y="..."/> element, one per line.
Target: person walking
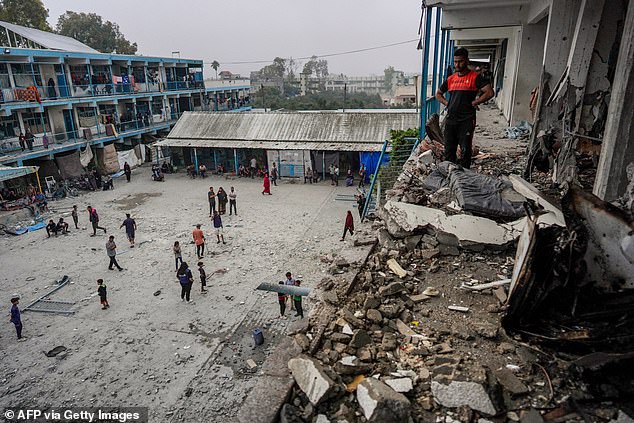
<point x="336" y="175"/>
<point x="218" y="228"/>
<point x="103" y="293"/>
<point x="15" y="316"/>
<point x="111" y="249"/>
<point x="75" y="216"/>
<point x="130" y="228"/>
<point x="331" y="170"/>
<point x="297" y="301"/>
<point x="267" y="185"/>
<point x="281" y="299"/>
<point x="222" y="201"/>
<point x="22" y="141"/>
<point x="463" y="86"/>
<point x="186" y="279"/>
<point x="360" y="204"/>
<point x="274" y="174"/>
<point x="177" y="253"/>
<point x="349" y="226"/>
<point x="203" y="277"/>
<point x="232" y="202"/>
<point x="199" y="240"/>
<point x="93" y="217"/>
<point x="211" y="196"/>
<point x="254" y="165"/>
<point x="362" y="173"/>
<point x="127" y="170"/>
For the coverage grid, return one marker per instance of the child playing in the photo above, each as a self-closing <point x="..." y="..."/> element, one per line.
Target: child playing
<point x="75" y="216"/>
<point x="281" y="298"/>
<point x="203" y="277"/>
<point x="15" y="316"/>
<point x="177" y="253"/>
<point x="101" y="289"/>
<point x="297" y="299"/>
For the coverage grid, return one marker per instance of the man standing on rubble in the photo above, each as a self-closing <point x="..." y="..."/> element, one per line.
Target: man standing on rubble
<point x="463" y="86"/>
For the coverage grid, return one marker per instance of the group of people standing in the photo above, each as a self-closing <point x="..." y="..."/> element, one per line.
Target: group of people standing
<point x="221" y="197"/>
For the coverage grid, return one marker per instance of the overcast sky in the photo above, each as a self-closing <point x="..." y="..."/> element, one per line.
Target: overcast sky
<point x="252" y="30"/>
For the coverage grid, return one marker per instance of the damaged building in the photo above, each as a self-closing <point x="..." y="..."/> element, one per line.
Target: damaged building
<point x="482" y="298"/>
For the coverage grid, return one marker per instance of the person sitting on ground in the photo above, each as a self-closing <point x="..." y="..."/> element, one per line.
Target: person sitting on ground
<point x="349" y="178"/>
<point x="51" y="227"/>
<point x="241" y="171"/>
<point x="164" y="167"/>
<point x="40" y="201"/>
<point x="108" y="183"/>
<point x="221" y="169"/>
<point x="157" y="175"/>
<point x="62" y="226"/>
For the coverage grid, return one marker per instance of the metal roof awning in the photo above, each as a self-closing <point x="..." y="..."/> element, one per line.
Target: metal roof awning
<point x="48" y="40"/>
<point x="8" y="172"/>
<point x="271" y="145"/>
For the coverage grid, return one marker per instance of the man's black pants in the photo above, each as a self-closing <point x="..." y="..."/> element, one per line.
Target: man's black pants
<point x="18" y="329"/>
<point x="232" y="205"/>
<point x="200" y="250"/>
<point x="212" y="207"/>
<point x="346" y="229"/>
<point x="95" y="226"/>
<point x="459" y="133"/>
<point x="298" y="308"/>
<point x="113" y="262"/>
<point x="186" y="290"/>
<point x="282" y="306"/>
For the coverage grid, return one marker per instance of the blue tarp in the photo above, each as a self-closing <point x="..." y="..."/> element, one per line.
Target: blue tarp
<point x="371" y="160"/>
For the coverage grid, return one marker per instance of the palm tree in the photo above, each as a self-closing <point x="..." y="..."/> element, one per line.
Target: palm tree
<point x="215" y="65"/>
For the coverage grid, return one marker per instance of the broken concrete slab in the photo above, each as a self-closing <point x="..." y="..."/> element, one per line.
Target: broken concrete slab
<point x="381" y="404"/>
<point x="351" y="365"/>
<point x="458" y="308"/>
<point x="311" y="378"/>
<point x="360" y="339"/>
<point x="395" y="267"/>
<point x="529" y="191"/>
<point x="402" y="385"/>
<point x="458" y="393"/>
<point x="419" y="298"/>
<point x="469" y="230"/>
<point x="510" y="382"/>
<point x="391" y="289"/>
<point x="374" y="315"/>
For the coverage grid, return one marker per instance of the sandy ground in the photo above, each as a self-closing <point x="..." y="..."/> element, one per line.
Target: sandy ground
<point x="155" y="351"/>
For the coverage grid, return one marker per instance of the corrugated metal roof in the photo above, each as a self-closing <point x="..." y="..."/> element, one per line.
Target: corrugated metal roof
<point x="8" y="172"/>
<point x="49" y="40"/>
<point x="338" y="131"/>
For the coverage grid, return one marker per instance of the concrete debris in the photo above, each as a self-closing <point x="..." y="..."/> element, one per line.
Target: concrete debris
<point x="401" y="385"/>
<point x="431" y="291"/>
<point x="311" y="378"/>
<point x="458" y="308"/>
<point x="392" y="289"/>
<point x="469" y="231"/>
<point x="396" y="268"/>
<point x="458" y="394"/>
<point x="381" y="404"/>
<point x="483" y="286"/>
<point x="251" y="364"/>
<point x="510" y="382"/>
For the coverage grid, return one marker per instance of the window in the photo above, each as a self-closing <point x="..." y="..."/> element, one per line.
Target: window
<point x="26" y="75"/>
<point x="87" y="116"/>
<point x="139" y="74"/>
<point x="157" y="105"/>
<point x="9" y="127"/>
<point x="5" y="82"/>
<point x="101" y="74"/>
<point x="79" y="75"/>
<point x="38" y="122"/>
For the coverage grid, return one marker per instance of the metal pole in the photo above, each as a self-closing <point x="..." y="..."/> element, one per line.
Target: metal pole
<point x="423" y="89"/>
<point x="435" y="68"/>
<point x="376" y="173"/>
<point x="39" y="184"/>
<point x="195" y="159"/>
<point x="215" y="162"/>
<point x="235" y="161"/>
<point x="323" y="165"/>
<point x="441" y="64"/>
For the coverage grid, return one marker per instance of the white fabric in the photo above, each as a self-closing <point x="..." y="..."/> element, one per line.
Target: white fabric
<point x="128" y="156"/>
<point x="86" y="156"/>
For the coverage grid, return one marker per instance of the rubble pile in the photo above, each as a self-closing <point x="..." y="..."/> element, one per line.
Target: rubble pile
<point x="417" y="334"/>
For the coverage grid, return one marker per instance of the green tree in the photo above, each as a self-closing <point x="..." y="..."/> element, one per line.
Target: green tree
<point x="215" y="65"/>
<point x="90" y="29"/>
<point x="389" y="73"/>
<point x="274" y="70"/>
<point x="29" y="13"/>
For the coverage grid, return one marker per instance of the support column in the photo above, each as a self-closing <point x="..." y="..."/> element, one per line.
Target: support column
<point x="196" y="159"/>
<point x="235" y="161"/>
<point x="618" y="139"/>
<point x="562" y="18"/>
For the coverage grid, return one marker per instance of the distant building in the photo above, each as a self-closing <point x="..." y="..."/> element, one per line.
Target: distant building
<point x="70" y="96"/>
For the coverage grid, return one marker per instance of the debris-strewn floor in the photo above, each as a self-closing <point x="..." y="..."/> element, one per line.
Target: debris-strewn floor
<point x="419" y="336"/>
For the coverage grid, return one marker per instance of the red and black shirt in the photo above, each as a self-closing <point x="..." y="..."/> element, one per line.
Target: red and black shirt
<point x="462" y="91"/>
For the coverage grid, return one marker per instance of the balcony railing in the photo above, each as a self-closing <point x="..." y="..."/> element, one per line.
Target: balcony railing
<point x="42" y="142"/>
<point x="36" y="93"/>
